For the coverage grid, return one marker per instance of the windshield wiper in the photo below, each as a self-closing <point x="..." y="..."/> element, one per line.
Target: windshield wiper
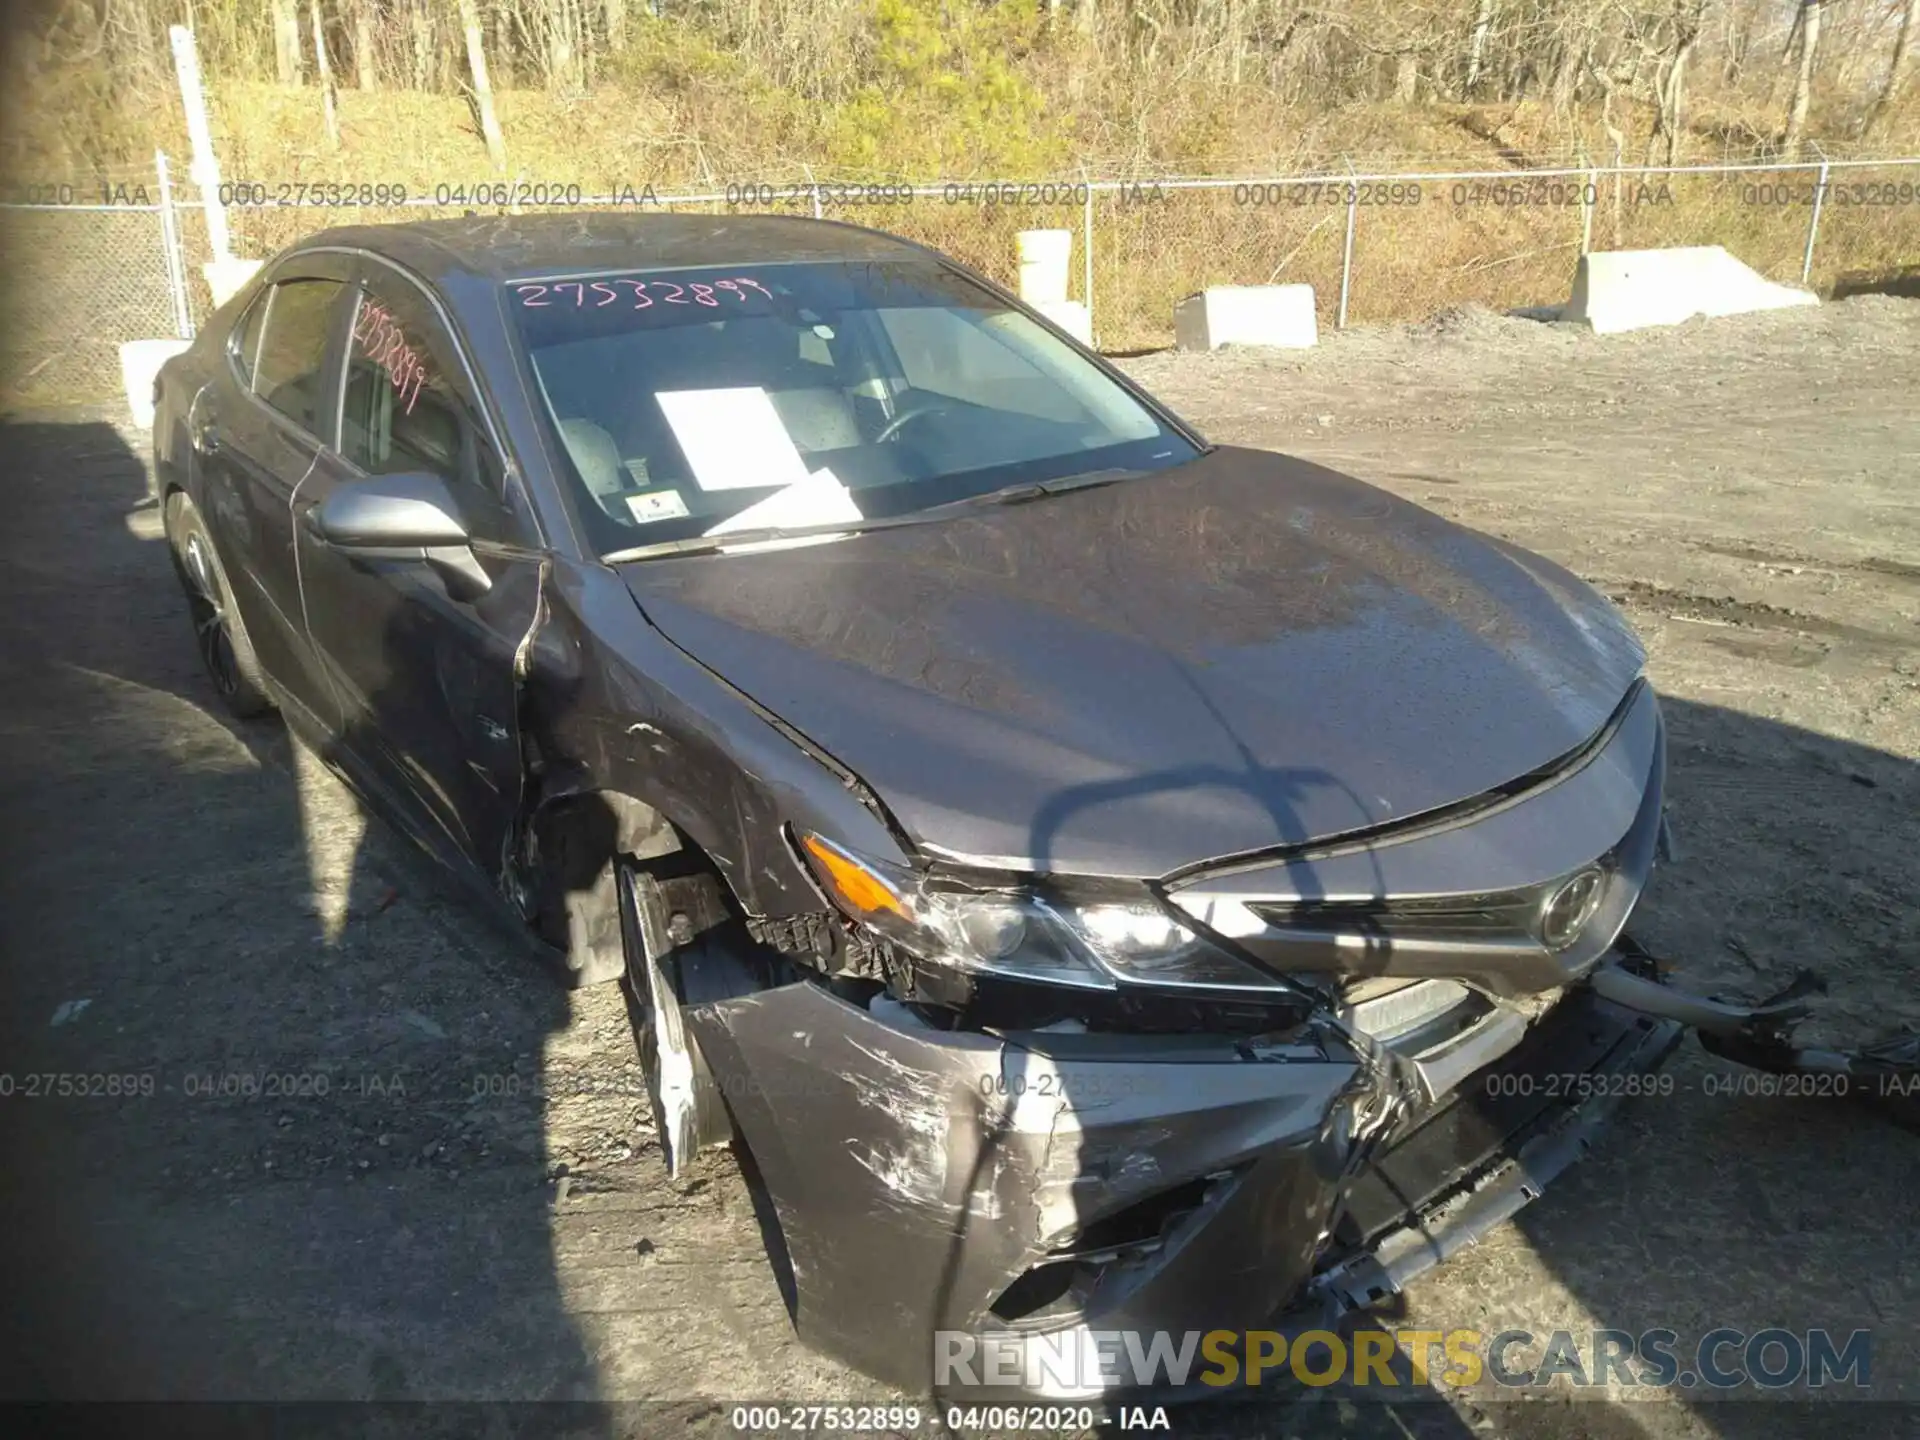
<point x="1025" y="490"/>
<point x="704" y="544"/>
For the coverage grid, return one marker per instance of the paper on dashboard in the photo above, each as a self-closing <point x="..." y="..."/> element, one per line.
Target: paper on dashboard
<point x="819" y="499"/>
<point x="733" y="438"/>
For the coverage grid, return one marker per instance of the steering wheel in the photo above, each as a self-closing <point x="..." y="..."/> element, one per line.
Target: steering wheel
<point x="911" y="410"/>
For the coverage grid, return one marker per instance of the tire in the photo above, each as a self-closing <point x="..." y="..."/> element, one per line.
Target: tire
<point x="220" y="634"/>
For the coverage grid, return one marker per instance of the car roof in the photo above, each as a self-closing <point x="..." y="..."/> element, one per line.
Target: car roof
<point x="511" y="247"/>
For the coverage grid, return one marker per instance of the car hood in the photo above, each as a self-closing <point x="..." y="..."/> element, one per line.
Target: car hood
<point x="1242" y="653"/>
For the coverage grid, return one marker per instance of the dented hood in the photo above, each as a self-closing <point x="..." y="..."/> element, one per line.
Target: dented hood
<point x="1244" y="652"/>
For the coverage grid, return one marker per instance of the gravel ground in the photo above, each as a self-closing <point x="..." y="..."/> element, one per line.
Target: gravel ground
<point x="379" y="1155"/>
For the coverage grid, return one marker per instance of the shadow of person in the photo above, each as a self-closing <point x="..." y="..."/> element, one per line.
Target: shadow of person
<point x="273" y="1116"/>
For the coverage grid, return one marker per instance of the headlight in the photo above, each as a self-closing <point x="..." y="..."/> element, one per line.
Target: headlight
<point x="1021" y="933"/>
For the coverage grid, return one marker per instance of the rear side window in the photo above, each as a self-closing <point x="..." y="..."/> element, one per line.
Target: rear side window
<point x="289" y="373"/>
<point x="245" y="345"/>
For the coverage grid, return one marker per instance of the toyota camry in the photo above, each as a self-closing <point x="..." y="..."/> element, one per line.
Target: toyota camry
<point x="1105" y="880"/>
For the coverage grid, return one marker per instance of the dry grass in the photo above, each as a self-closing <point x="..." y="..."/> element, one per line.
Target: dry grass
<point x="697" y="123"/>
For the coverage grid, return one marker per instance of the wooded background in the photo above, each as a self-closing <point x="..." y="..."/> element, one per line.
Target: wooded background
<point x="720" y="90"/>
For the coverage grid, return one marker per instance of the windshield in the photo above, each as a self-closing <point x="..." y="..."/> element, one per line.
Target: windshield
<point x="705" y="401"/>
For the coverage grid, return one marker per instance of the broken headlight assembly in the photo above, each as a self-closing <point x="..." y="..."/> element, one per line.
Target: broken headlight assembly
<point x="1022" y="932"/>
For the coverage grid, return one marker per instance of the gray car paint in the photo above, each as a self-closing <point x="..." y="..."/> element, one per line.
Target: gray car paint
<point x="1242" y="653"/>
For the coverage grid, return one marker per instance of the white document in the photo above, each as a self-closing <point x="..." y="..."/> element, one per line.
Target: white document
<point x="820" y="499"/>
<point x="733" y="439"/>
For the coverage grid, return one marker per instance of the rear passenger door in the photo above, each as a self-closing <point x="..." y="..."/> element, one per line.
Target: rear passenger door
<point x="425" y="673"/>
<point x="257" y="431"/>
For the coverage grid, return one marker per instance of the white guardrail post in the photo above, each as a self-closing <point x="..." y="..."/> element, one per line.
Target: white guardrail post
<point x="1589" y="194"/>
<point x="170" y="247"/>
<point x="1813" y="226"/>
<point x="1086" y="256"/>
<point x="1346" y="253"/>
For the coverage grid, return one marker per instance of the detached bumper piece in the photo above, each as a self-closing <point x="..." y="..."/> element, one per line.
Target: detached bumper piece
<point x="1760" y="1036"/>
<point x="1031" y="1188"/>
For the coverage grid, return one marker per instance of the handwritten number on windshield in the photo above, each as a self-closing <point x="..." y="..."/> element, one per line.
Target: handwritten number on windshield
<point x="535" y="296"/>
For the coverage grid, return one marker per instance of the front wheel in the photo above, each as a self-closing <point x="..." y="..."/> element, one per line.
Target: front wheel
<point x="218" y="631"/>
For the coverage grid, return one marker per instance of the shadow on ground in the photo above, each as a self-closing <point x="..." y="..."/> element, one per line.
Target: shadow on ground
<point x="246" y="1042"/>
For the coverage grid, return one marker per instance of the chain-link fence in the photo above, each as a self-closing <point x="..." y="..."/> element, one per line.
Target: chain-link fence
<point x="86" y="266"/>
<point x="82" y="277"/>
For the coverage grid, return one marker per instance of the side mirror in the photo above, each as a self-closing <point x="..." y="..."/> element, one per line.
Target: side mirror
<point x="405" y="516"/>
<point x="390" y="512"/>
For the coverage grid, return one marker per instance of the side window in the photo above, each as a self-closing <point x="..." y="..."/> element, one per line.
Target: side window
<point x="292" y="354"/>
<point x="408" y="408"/>
<point x="244" y="346"/>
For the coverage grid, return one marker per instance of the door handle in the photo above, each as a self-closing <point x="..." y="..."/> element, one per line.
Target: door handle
<point x="206" y="441"/>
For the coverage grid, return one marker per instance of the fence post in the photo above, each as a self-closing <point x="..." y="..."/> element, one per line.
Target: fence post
<point x="1614" y="239"/>
<point x="204" y="169"/>
<point x="1813" y="227"/>
<point x="1346" y="255"/>
<point x="170" y="249"/>
<point x="1589" y="193"/>
<point x="1086" y="253"/>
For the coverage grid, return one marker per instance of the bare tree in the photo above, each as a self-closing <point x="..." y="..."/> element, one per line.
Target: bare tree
<point x="287" y="54"/>
<point x="329" y="105"/>
<point x="1477" y="43"/>
<point x="482" y="86"/>
<point x="1809" y="28"/>
<point x="616" y="25"/>
<point x="366" y="70"/>
<point x="1890" y="88"/>
<point x="1670" y="82"/>
<point x="426" y="54"/>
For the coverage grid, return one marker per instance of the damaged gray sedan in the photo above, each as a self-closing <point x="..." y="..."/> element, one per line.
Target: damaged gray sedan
<point x="1105" y="880"/>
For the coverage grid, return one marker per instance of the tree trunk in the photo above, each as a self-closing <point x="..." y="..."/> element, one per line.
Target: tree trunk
<point x="1085" y="17"/>
<point x="482" y="87"/>
<point x="365" y="70"/>
<point x="1803" y="83"/>
<point x="1890" y="91"/>
<point x="1406" y="77"/>
<point x="1671" y="84"/>
<point x="560" y="51"/>
<point x="616" y="25"/>
<point x="1566" y="73"/>
<point x="286" y="42"/>
<point x="423" y="50"/>
<point x="324" y="68"/>
<point x="1477" y="44"/>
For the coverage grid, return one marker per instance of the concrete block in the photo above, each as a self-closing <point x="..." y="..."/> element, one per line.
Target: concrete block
<point x="1615" y="290"/>
<point x="140" y="361"/>
<point x="1279" y="315"/>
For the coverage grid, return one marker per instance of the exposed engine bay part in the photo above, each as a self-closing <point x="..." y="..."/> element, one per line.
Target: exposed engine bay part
<point x="1448" y="1030"/>
<point x="1474" y="1160"/>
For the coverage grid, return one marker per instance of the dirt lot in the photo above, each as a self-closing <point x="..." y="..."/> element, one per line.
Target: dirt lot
<point x="474" y="1208"/>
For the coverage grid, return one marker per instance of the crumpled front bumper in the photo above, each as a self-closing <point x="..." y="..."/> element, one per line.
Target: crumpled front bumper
<point x="1030" y="1184"/>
